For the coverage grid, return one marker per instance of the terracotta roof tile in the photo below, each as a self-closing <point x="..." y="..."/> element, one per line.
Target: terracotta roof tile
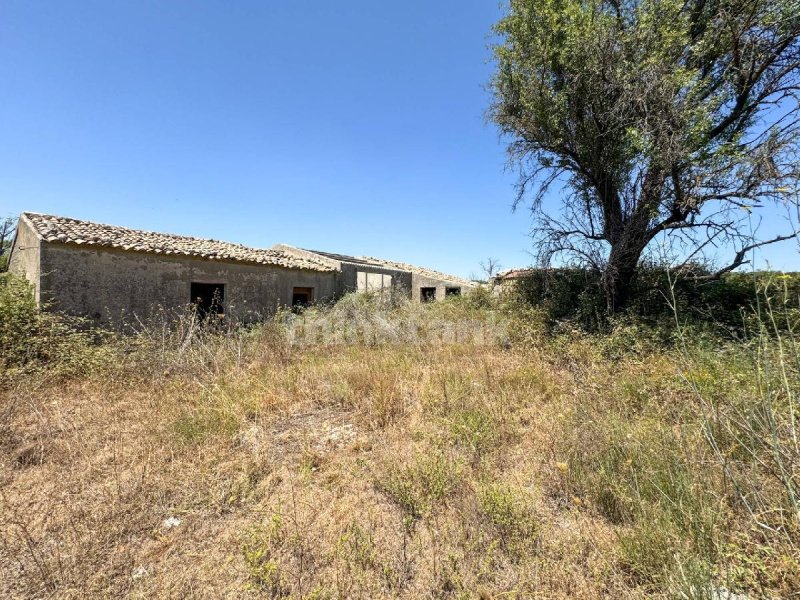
<point x="514" y="273"/>
<point x="73" y="231"/>
<point x="420" y="270"/>
<point x="389" y="264"/>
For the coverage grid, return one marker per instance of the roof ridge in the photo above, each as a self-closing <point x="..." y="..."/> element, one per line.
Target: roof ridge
<point x="414" y="268"/>
<point x="58" y="229"/>
<point x="148" y="231"/>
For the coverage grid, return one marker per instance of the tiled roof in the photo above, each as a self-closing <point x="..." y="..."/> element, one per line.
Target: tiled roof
<point x="414" y="269"/>
<point x="514" y="273"/>
<point x="355" y="260"/>
<point x="388" y="264"/>
<point x="73" y="231"/>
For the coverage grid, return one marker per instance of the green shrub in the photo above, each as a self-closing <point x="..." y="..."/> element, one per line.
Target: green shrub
<point x="32" y="339"/>
<point x="19" y="320"/>
<point x="356" y="548"/>
<point x="480" y="298"/>
<point x="420" y="486"/>
<point x="564" y="294"/>
<point x="474" y="429"/>
<point x="259" y="552"/>
<point x="510" y="512"/>
<point x="577" y="295"/>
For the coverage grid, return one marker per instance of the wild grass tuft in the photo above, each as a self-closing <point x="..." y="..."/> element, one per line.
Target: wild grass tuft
<point x="419" y="486"/>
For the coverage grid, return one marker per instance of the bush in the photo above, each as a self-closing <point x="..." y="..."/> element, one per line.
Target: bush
<point x="417" y="488"/>
<point x="19" y="319"/>
<point x="564" y="294"/>
<point x="577" y="295"/>
<point x="32" y="339"/>
<point x="511" y="513"/>
<point x="480" y="298"/>
<point x="474" y="429"/>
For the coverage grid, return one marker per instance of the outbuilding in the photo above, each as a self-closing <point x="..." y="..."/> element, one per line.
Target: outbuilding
<point x="113" y="274"/>
<point x="366" y="273"/>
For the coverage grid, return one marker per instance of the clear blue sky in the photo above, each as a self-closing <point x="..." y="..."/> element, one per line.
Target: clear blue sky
<point x="349" y="126"/>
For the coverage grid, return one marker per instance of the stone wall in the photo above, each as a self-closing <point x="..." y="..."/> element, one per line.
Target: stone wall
<point x="420" y="281"/>
<point x="25" y="252"/>
<point x="109" y="285"/>
<point x="410" y="282"/>
<point x="348" y="277"/>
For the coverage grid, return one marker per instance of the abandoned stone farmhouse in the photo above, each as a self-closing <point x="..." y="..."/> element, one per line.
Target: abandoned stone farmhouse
<point x="111" y="273"/>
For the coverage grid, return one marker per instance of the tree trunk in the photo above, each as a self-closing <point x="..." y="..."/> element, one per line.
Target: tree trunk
<point x="620" y="271"/>
<point x="628" y="240"/>
<point x="618" y="285"/>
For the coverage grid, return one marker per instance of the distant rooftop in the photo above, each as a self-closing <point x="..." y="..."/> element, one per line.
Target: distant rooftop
<point x="390" y="264"/>
<point x="358" y="260"/>
<point x="514" y="273"/>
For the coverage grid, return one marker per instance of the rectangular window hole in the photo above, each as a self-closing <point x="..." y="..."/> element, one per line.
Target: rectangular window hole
<point x="208" y="298"/>
<point x="302" y="296"/>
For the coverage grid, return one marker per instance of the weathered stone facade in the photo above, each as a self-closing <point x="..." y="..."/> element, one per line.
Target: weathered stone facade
<point x="354" y="274"/>
<point x="115" y="275"/>
<point x="111" y="284"/>
<point x="361" y="273"/>
<point x="26" y="252"/>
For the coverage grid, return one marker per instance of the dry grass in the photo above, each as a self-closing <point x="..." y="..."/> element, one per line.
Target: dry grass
<point x="391" y="464"/>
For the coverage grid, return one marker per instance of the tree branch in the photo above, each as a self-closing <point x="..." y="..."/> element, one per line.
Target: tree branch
<point x="739" y="259"/>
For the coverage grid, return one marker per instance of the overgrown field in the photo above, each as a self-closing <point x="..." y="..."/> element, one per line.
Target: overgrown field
<point x="379" y="449"/>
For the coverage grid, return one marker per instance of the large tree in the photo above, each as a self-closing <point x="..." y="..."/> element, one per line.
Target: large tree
<point x="673" y="118"/>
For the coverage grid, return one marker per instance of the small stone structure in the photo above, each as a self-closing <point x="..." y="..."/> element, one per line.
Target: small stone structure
<point x="366" y="273"/>
<point x="505" y="281"/>
<point x="113" y="274"/>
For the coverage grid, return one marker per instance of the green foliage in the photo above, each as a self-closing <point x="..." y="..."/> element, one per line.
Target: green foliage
<point x="576" y="295"/>
<point x="511" y="513"/>
<point x="573" y="294"/>
<point x="648" y="114"/>
<point x="697" y="474"/>
<point x="7" y="228"/>
<point x="18" y="319"/>
<point x="653" y="482"/>
<point x="481" y="298"/>
<point x="356" y="547"/>
<point x="419" y="486"/>
<point x="749" y="406"/>
<point x="257" y="551"/>
<point x="32" y="339"/>
<point x="198" y="424"/>
<point x="474" y="429"/>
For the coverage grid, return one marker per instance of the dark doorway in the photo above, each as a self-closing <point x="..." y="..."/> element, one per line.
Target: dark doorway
<point x="208" y="298"/>
<point x="427" y="294"/>
<point x="452" y="291"/>
<point x="302" y="296"/>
